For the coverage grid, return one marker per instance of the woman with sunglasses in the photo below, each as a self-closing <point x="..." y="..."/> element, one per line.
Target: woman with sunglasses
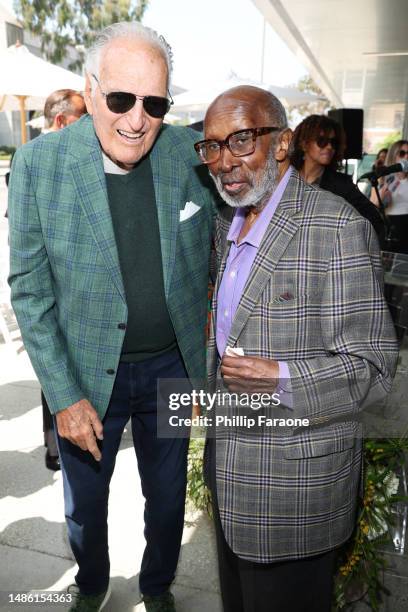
<point x="317" y="149"/>
<point x="394" y="195"/>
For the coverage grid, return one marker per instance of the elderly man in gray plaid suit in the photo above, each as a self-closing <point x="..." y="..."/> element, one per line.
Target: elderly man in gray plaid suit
<point x="110" y="233"/>
<point x="298" y="308"/>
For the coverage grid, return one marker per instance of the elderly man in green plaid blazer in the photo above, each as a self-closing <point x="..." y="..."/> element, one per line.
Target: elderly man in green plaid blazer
<point x="110" y="234"/>
<point x="298" y="309"/>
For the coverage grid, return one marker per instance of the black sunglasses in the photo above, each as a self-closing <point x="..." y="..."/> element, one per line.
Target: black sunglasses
<point x="323" y="141"/>
<point x="402" y="153"/>
<point x="122" y="101"/>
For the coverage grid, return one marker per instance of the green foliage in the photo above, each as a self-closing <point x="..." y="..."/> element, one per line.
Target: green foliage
<point x="197" y="493"/>
<point x="388" y="141"/>
<point x="5" y="150"/>
<point x="361" y="563"/>
<point x="73" y="22"/>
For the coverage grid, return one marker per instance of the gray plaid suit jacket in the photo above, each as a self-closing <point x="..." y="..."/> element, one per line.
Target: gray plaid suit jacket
<point x="314" y="299"/>
<point x="66" y="284"/>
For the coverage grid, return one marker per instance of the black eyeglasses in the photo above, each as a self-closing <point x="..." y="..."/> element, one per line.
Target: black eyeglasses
<point x="122" y="101"/>
<point x="239" y="143"/>
<point x="323" y="141"/>
<point x="403" y="153"/>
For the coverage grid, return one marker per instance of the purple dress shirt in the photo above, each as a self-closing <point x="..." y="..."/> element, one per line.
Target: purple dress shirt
<point x="239" y="263"/>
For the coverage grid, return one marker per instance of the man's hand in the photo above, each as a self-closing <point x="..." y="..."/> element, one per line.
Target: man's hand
<point x="81" y="425"/>
<point x="249" y="374"/>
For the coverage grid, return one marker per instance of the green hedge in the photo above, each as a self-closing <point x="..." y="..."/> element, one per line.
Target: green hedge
<point x="7" y="151"/>
<point x="198" y="496"/>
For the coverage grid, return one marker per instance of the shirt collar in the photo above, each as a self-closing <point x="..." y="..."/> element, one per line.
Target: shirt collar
<point x="110" y="167"/>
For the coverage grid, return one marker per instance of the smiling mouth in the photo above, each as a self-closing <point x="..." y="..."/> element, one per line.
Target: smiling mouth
<point x="130" y="136"/>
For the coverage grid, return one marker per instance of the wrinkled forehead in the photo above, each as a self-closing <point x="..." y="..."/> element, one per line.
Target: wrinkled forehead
<point x="230" y="114"/>
<point x="127" y="55"/>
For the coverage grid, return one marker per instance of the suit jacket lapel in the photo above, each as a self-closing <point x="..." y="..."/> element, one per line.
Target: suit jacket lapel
<point x="278" y="235"/>
<point x="212" y="344"/>
<point x="166" y="178"/>
<point x="89" y="178"/>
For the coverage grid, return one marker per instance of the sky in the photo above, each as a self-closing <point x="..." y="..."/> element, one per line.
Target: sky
<point x="212" y="38"/>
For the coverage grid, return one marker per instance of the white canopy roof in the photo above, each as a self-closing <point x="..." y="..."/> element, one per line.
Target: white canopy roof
<point x="198" y="100"/>
<point x="24" y="74"/>
<point x="26" y="80"/>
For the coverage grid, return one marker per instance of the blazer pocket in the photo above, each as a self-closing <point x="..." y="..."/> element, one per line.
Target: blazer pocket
<point x="193" y="219"/>
<point x="283" y="300"/>
<point x="322" y="441"/>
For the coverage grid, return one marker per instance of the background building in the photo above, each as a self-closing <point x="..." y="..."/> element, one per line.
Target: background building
<point x="356" y="51"/>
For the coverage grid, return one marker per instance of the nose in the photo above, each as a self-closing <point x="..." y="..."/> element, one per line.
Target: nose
<point x="137" y="116"/>
<point x="227" y="160"/>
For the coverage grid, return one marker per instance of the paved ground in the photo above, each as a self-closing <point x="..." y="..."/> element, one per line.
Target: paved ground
<point x="34" y="551"/>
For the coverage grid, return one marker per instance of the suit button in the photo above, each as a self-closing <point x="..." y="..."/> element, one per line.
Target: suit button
<point x="121" y="325"/>
<point x="110" y="371"/>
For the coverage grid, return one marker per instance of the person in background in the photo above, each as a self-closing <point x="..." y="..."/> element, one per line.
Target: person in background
<point x="394" y="194"/>
<point x="378" y="163"/>
<point x="62" y="107"/>
<point x="380" y="159"/>
<point x="317" y="150"/>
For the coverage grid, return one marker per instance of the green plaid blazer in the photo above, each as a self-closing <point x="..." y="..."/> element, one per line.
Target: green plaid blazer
<point x="66" y="285"/>
<point x="313" y="299"/>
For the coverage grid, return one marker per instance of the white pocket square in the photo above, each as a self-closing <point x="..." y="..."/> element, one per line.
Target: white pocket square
<point x="188" y="211"/>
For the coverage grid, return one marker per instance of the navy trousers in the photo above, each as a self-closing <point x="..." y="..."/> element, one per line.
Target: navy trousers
<point x="162" y="464"/>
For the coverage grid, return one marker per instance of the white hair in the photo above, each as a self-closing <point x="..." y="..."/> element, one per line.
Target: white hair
<point x="126" y="29"/>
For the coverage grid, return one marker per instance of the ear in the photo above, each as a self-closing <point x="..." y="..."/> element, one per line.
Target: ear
<point x="60" y="121"/>
<point x="283" y="145"/>
<point x="88" y="95"/>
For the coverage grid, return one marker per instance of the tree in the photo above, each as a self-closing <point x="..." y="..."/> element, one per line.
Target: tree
<point x="299" y="112"/>
<point x="388" y="141"/>
<point x="73" y="23"/>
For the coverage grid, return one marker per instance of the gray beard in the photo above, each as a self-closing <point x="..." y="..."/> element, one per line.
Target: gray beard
<point x="259" y="192"/>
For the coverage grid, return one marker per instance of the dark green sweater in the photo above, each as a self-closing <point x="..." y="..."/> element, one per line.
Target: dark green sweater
<point x="133" y="209"/>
